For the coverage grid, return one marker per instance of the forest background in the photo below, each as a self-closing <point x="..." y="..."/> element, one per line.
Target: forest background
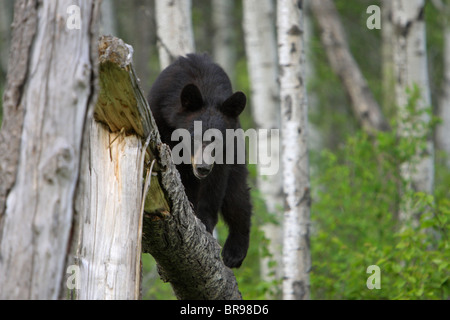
<point x="356" y="187"/>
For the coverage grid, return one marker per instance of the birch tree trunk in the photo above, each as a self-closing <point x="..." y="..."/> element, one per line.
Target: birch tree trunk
<point x="411" y="68"/>
<point x="443" y="130"/>
<point x="296" y="254"/>
<point x="48" y="100"/>
<point x="174" y="29"/>
<point x="365" y="107"/>
<point x="262" y="59"/>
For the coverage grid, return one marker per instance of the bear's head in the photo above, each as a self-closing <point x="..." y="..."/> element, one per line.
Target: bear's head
<point x="207" y="120"/>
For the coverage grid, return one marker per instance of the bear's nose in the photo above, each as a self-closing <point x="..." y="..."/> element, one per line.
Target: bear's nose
<point x="202" y="170"/>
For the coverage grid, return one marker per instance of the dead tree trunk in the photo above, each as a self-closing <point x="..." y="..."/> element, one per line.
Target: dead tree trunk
<point x="49" y="94"/>
<point x="109" y="250"/>
<point x="110" y="196"/>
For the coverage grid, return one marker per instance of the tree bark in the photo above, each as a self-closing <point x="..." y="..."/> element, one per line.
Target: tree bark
<point x="294" y="119"/>
<point x="411" y="68"/>
<point x="174" y="29"/>
<point x="49" y="95"/>
<point x="365" y="108"/>
<point x="262" y="58"/>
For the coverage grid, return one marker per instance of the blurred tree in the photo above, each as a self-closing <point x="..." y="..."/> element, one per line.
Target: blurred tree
<point x="107" y="19"/>
<point x="411" y="70"/>
<point x="443" y="130"/>
<point x="365" y="107"/>
<point x="224" y="52"/>
<point x="295" y="157"/>
<point x="175" y="34"/>
<point x="135" y="24"/>
<point x="262" y="62"/>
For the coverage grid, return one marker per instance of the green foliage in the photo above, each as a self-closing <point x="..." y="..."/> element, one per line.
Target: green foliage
<point x="153" y="288"/>
<point x="355" y="225"/>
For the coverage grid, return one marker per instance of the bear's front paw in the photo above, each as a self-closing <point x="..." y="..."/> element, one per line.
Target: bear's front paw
<point x="234" y="252"/>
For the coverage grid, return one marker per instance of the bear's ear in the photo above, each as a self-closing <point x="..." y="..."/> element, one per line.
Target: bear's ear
<point x="191" y="98"/>
<point x="234" y="105"/>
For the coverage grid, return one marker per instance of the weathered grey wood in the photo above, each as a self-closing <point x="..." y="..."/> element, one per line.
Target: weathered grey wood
<point x="23" y="31"/>
<point x="187" y="255"/>
<point x="47" y="101"/>
<point x="109" y="246"/>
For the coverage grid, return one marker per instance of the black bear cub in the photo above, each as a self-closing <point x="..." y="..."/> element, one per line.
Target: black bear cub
<point x="194" y="89"/>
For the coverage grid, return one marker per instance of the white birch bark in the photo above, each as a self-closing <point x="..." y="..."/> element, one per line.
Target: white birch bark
<point x="411" y="68"/>
<point x="262" y="59"/>
<point x="174" y="29"/>
<point x="56" y="97"/>
<point x="443" y="130"/>
<point x="296" y="255"/>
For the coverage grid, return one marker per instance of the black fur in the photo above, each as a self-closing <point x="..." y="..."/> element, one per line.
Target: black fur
<point x="192" y="89"/>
